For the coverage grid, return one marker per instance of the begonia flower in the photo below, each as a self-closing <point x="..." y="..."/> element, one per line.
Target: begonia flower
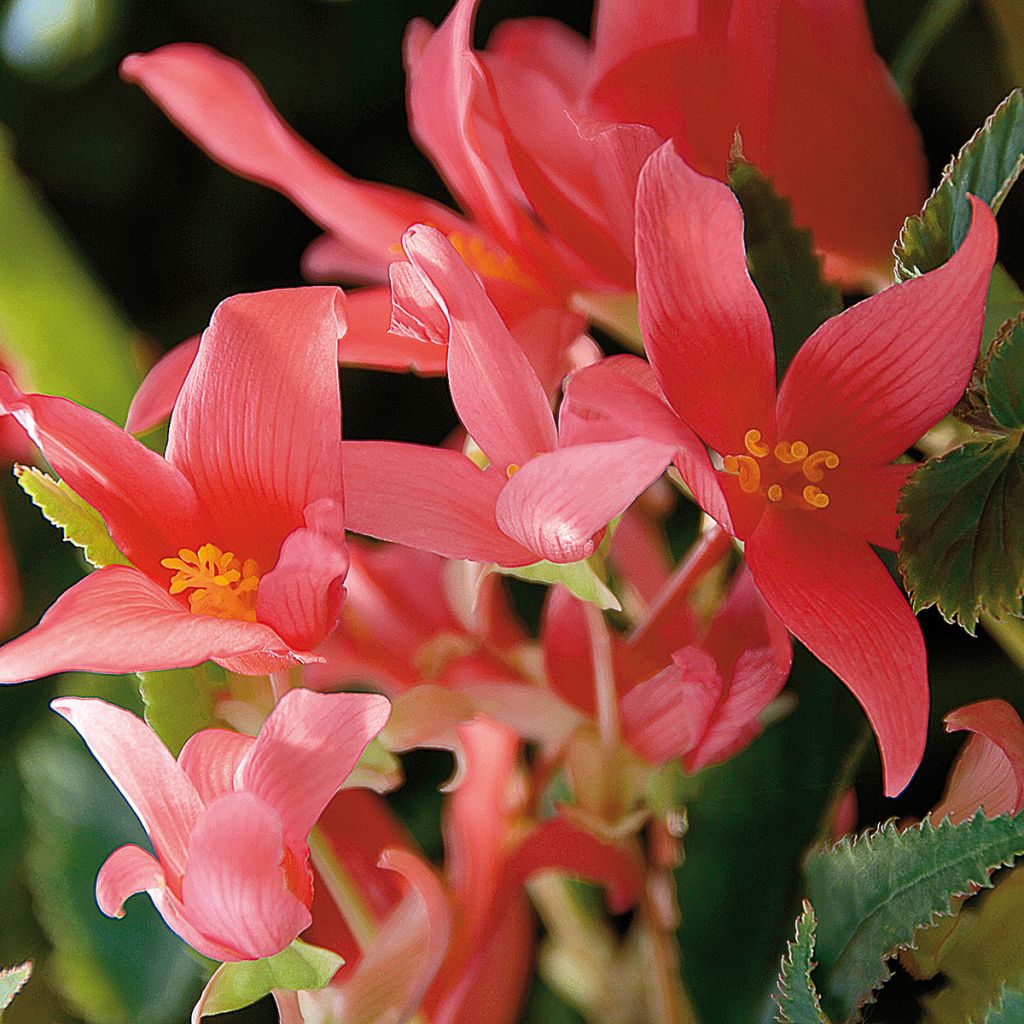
<point x="235" y="539"/>
<point x="228" y="820"/>
<point x="807" y="479"/>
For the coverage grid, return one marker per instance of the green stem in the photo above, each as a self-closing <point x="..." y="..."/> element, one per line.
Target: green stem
<point x="932" y="23"/>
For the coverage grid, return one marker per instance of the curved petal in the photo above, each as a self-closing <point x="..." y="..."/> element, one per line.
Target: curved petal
<point x="219" y="104"/>
<point x="142" y="768"/>
<point x="863" y="501"/>
<point x="234" y="892"/>
<point x="128" y="870"/>
<point x="870" y="381"/>
<point x="429" y="498"/>
<point x="705" y="327"/>
<point x="159" y="389"/>
<point x="149" y="507"/>
<point x="211" y="758"/>
<point x="305" y="751"/>
<point x="117" y="620"/>
<point x="558" y="501"/>
<point x="371" y="342"/>
<point x="257" y="426"/>
<point x="834" y="594"/>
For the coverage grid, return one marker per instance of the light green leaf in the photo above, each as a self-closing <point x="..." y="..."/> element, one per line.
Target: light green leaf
<point x="298" y="968"/>
<point x="578" y="577"/>
<point x="1010" y="1009"/>
<point x="874" y="891"/>
<point x="797" y="998"/>
<point x="986" y="166"/>
<point x="179" y="701"/>
<point x="11" y="981"/>
<point x="80" y="523"/>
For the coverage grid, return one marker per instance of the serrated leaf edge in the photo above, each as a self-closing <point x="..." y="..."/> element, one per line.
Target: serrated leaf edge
<point x="805" y="922"/>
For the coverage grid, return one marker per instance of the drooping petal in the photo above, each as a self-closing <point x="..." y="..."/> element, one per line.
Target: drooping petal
<point x="305" y="751"/>
<point x="234" y="892"/>
<point x="210" y="758"/>
<point x="117" y="620"/>
<point x="835" y="596"/>
<point x="159" y="390"/>
<point x="429" y="498"/>
<point x="219" y="104"/>
<point x="128" y="870"/>
<point x="559" y="500"/>
<point x="149" y="507"/>
<point x="157" y="790"/>
<point x="415" y="313"/>
<point x="257" y="426"/>
<point x="370" y="342"/>
<point x="705" y="327"/>
<point x="870" y="381"/>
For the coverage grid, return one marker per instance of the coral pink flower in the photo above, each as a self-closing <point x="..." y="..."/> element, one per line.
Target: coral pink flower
<point x="228" y="820"/>
<point x="236" y="538"/>
<point x="805" y="479"/>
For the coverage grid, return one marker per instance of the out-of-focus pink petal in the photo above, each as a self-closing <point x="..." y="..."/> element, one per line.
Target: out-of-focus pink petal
<point x="142" y="768"/>
<point x="305" y="751"/>
<point x="869" y="382"/>
<point x="257" y="426"/>
<point x="149" y="507"/>
<point x="701" y="316"/>
<point x="219" y="104"/>
<point x="568" y="660"/>
<point x="234" y="891"/>
<point x="558" y="501"/>
<point x="624" y="27"/>
<point x="495" y="390"/>
<point x="159" y="390"/>
<point x="429" y="498"/>
<point x="128" y="870"/>
<point x="10" y="582"/>
<point x="211" y="758"/>
<point x="117" y="620"/>
<point x="989" y="771"/>
<point x="834" y="594"/>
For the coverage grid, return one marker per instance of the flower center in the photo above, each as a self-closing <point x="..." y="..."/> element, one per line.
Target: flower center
<point x="789" y="472"/>
<point x="486" y="261"/>
<point x="221" y="584"/>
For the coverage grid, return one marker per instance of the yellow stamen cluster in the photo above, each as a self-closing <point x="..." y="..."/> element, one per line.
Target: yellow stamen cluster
<point x="223" y="586"/>
<point x="486" y="261"/>
<point x="790" y="457"/>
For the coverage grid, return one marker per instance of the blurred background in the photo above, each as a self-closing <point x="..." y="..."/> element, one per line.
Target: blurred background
<point x="118" y="238"/>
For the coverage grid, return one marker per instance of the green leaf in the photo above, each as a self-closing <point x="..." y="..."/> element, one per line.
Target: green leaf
<point x="578" y="577"/>
<point x="298" y="968"/>
<point x="1004" y="375"/>
<point x="797" y="998"/>
<point x="986" y="166"/>
<point x="783" y="264"/>
<point x="1011" y="1008"/>
<point x="1004" y="301"/>
<point x="11" y="981"/>
<point x="80" y="523"/>
<point x="962" y="535"/>
<point x="874" y="891"/>
<point x="179" y="701"/>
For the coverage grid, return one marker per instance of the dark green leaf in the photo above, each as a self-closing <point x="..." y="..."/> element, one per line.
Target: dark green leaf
<point x="986" y="166"/>
<point x="797" y="997"/>
<point x="783" y="264"/>
<point x="936" y="17"/>
<point x="11" y="981"/>
<point x="962" y="535"/>
<point x="874" y="891"/>
<point x="1004" y="376"/>
<point x="179" y="702"/>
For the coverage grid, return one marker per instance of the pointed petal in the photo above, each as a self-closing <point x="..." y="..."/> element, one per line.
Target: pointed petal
<point x="142" y="768"/>
<point x="429" y="498"/>
<point x="211" y="758"/>
<point x="117" y="620"/>
<point x="234" y="892"/>
<point x="558" y="501"/>
<point x="701" y="316"/>
<point x="257" y="426"/>
<point x="869" y="382"/>
<point x="305" y="751"/>
<point x="125" y="872"/>
<point x="149" y="507"/>
<point x="219" y="104"/>
<point x="496" y="393"/>
<point x="159" y="390"/>
<point x="835" y="596"/>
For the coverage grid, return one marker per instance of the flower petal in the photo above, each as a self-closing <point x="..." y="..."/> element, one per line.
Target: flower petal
<point x="210" y="758"/>
<point x="863" y="501"/>
<point x="159" y="389"/>
<point x="117" y="620"/>
<point x="701" y="316"/>
<point x="157" y="790"/>
<point x="834" y="594"/>
<point x="128" y="870"/>
<point x="568" y="659"/>
<point x="370" y="341"/>
<point x="870" y="381"/>
<point x="624" y="27"/>
<point x="222" y="107"/>
<point x="305" y="751"/>
<point x="257" y="426"/>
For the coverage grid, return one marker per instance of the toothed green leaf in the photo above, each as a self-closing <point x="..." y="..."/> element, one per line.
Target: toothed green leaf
<point x="797" y="998"/>
<point x="179" y="701"/>
<point x="11" y="981"/>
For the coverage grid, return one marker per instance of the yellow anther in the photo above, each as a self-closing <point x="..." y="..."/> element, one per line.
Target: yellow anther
<point x="791" y="451"/>
<point x="486" y="261"/>
<point x="746" y="469"/>
<point x="775" y="493"/>
<point x="752" y="442"/>
<point x="511" y="469"/>
<point x="815" y="465"/>
<point x="223" y="586"/>
<point x="815" y="497"/>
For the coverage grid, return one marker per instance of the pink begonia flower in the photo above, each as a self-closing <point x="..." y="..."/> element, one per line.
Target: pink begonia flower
<point x="806" y="478"/>
<point x="236" y="538"/>
<point x="228" y="820"/>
